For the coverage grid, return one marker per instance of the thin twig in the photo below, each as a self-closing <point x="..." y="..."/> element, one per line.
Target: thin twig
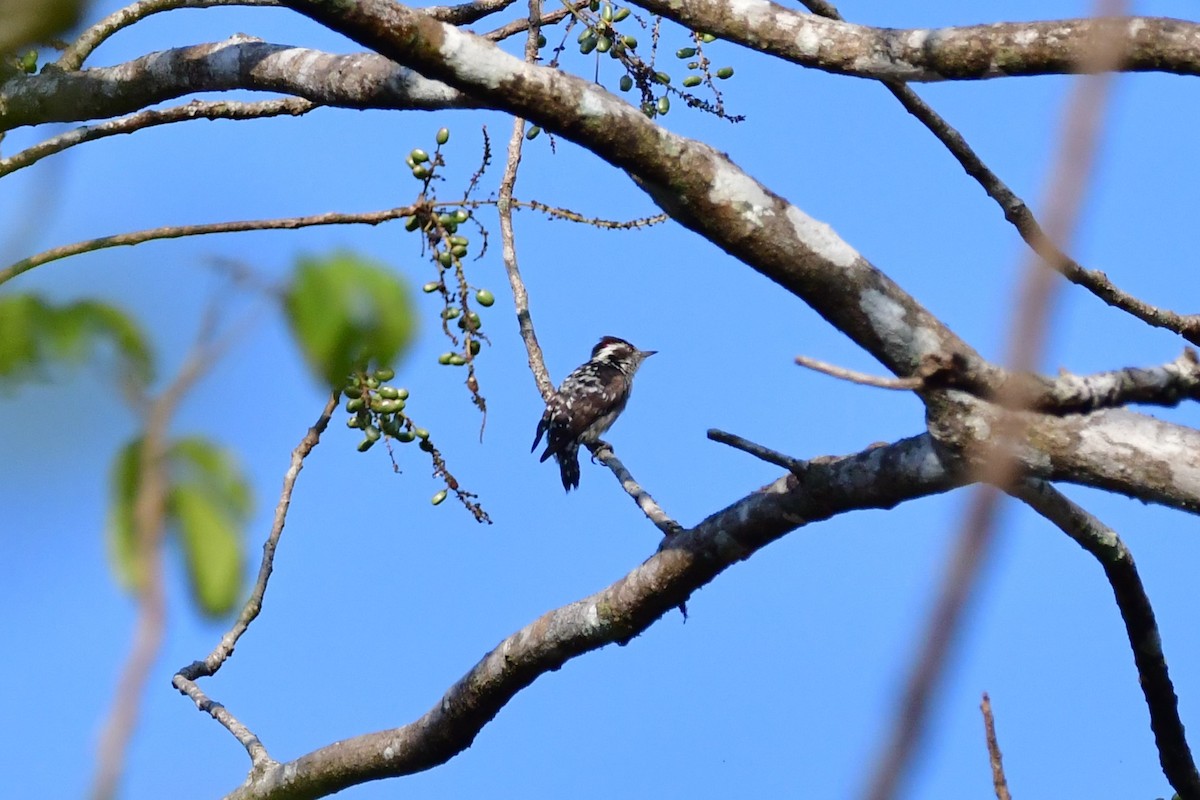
<point x="179" y="231"/>
<point x="604" y="454"/>
<point x="195" y="109"/>
<point x="519" y="25"/>
<point x="1065" y="193"/>
<point x="775" y="457"/>
<point x="999" y="782"/>
<point x="185" y="679"/>
<point x="904" y="384"/>
<point x="537" y="362"/>
<point x="1106" y="546"/>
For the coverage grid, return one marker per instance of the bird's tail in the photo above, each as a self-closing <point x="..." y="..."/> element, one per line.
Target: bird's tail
<point x="568" y="465"/>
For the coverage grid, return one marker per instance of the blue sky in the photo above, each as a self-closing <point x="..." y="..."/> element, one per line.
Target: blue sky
<point x="784" y="678"/>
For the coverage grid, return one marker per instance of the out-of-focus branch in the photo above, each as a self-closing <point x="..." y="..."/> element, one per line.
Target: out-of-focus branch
<point x="1141" y="628"/>
<point x="185" y="679"/>
<point x="196" y="109"/>
<point x="179" y="231"/>
<point x="1001" y="467"/>
<point x="149" y="520"/>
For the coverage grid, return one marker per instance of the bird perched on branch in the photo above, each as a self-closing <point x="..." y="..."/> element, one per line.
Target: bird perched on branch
<point x="587" y="404"/>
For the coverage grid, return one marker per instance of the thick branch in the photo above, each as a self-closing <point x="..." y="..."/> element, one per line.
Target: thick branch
<point x="880" y="477"/>
<point x="360" y="80"/>
<point x="1141" y="44"/>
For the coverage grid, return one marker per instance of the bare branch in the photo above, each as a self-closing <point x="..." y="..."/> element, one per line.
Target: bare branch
<point x="775" y="457"/>
<point x="653" y="511"/>
<point x="519" y="25"/>
<point x="905" y="384"/>
<point x="195" y="109"/>
<point x="178" y="231"/>
<point x="971" y="52"/>
<point x="185" y="679"/>
<point x="358" y="80"/>
<point x="999" y="782"/>
<point x="1144" y="640"/>
<point x="504" y="204"/>
<point x="1018" y="213"/>
<point x="876" y="478"/>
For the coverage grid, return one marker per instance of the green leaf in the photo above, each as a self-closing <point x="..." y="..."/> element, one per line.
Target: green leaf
<point x="345" y="311"/>
<point x="212" y="548"/>
<point x="195" y="460"/>
<point x="124" y="478"/>
<point x="33" y="333"/>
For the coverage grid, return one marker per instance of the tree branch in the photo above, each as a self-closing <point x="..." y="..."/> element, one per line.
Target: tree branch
<point x="999" y="782"/>
<point x="1144" y="640"/>
<point x="186" y="677"/>
<point x="653" y="511"/>
<point x="179" y="231"/>
<point x="879" y="477"/>
<point x="972" y="52"/>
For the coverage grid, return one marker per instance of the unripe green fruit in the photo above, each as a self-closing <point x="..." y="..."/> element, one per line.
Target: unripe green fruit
<point x="459" y="241"/>
<point x="685" y="52"/>
<point x="385" y="374"/>
<point x="365" y="445"/>
<point x="352" y="391"/>
<point x="626" y="83"/>
<point x="461" y="215"/>
<point x="541" y="40"/>
<point x="662" y="78"/>
<point x="707" y="38"/>
<point x="604" y="44"/>
<point x="444" y="258"/>
<point x="458" y="251"/>
<point x="430" y="287"/>
<point x="421" y="172"/>
<point x="451" y="313"/>
<point x="438" y="498"/>
<point x="691" y="81"/>
<point x="402" y="394"/>
<point x="533" y="132"/>
<point x="355" y="404"/>
<point x="664" y="104"/>
<point x="388" y="392"/>
<point x="405" y="436"/>
<point x="606" y="12"/>
<point x="443" y="135"/>
<point x="418" y="155"/>
<point x="444" y="358"/>
<point x="352" y="422"/>
<point x="621" y="14"/>
<point x="629" y="41"/>
<point x="421" y="433"/>
<point x="411" y="224"/>
<point x="475" y="347"/>
<point x="725" y="72"/>
<point x="485" y="298"/>
<point x="457" y="360"/>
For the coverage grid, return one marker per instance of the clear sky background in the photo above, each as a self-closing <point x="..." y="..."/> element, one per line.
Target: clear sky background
<point x="784" y="679"/>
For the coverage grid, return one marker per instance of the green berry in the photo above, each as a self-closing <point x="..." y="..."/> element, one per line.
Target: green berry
<point x="588" y="44"/>
<point x="444" y="258"/>
<point x="626" y="83"/>
<point x="388" y="392"/>
<point x="606" y="12"/>
<point x="685" y="52"/>
<point x="430" y="287"/>
<point x="352" y="422"/>
<point x="421" y="433"/>
<point x="352" y="391"/>
<point x="533" y="132"/>
<point x="421" y="172"/>
<point x="541" y="42"/>
<point x="629" y="41"/>
<point x="707" y="38"/>
<point x="402" y="394"/>
<point x="385" y="373"/>
<point x="444" y="358"/>
<point x="461" y="215"/>
<point x="365" y="445"/>
<point x="418" y="155"/>
<point x="457" y="360"/>
<point x="621" y="14"/>
<point x="725" y="72"/>
<point x="411" y="224"/>
<point x="603" y="44"/>
<point x="405" y="436"/>
<point x="355" y="404"/>
<point x="458" y="251"/>
<point x="372" y="433"/>
<point x="664" y="104"/>
<point x="662" y="78"/>
<point x="451" y="312"/>
<point x="438" y="498"/>
<point x="459" y="240"/>
<point x="475" y="347"/>
<point x="443" y="135"/>
<point x="485" y="298"/>
<point x="691" y="81"/>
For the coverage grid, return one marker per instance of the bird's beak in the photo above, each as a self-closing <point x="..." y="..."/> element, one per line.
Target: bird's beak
<point x="648" y="353"/>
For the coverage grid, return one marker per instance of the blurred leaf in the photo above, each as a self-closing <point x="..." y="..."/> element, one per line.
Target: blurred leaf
<point x="30" y="22"/>
<point x="195" y="460"/>
<point x="345" y="311"/>
<point x="21" y="319"/>
<point x="34" y="333"/>
<point x="211" y="546"/>
<point x="122" y="538"/>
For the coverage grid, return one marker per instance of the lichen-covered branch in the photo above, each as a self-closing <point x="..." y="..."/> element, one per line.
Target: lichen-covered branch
<point x="970" y="52"/>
